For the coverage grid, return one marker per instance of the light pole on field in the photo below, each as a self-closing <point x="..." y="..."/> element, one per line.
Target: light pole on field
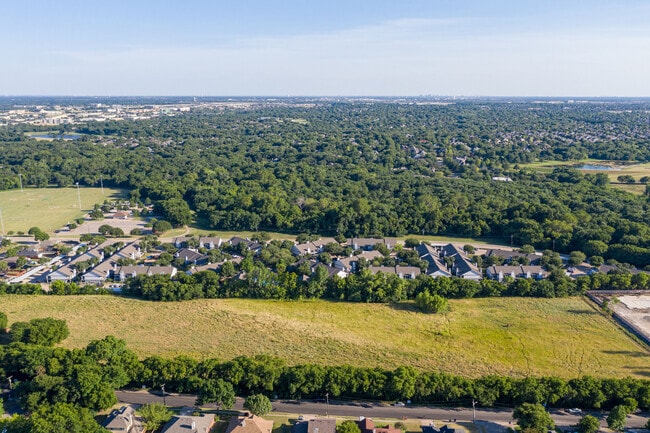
<point x="78" y="195"/>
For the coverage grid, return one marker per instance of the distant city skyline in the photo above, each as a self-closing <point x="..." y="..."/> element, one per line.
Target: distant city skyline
<point x="326" y="48"/>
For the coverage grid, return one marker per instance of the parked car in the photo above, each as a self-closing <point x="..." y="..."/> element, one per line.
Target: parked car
<point x="575" y="411"/>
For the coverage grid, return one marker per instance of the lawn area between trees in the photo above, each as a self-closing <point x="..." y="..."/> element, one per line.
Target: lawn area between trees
<point x="505" y="336"/>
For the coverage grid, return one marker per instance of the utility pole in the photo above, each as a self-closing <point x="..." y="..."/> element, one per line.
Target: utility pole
<point x="101" y="181"/>
<point x="20" y="177"/>
<point x="162" y="387"/>
<point x="78" y="195"/>
<point x="327" y="404"/>
<point x="473" y="410"/>
<point x="2" y="223"/>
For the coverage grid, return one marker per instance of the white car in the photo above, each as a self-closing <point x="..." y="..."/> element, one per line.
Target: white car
<point x="575" y="411"/>
<point x="400" y="404"/>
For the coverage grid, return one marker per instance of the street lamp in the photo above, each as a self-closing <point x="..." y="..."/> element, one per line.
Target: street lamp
<point x="327" y="404"/>
<point x="78" y="195"/>
<point x="162" y="387"/>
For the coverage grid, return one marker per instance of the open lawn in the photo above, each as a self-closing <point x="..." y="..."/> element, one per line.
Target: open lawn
<point x="513" y="336"/>
<point x="49" y="208"/>
<point x="620" y="168"/>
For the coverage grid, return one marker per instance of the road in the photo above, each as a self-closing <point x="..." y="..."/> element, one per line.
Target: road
<point x="375" y="410"/>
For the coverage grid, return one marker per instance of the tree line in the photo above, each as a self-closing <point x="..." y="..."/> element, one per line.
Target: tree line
<point x="87" y="377"/>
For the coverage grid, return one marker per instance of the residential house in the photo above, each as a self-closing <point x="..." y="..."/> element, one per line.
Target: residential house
<point x="367" y="425"/>
<point x="312" y="247"/>
<point x="315" y="425"/>
<point x="190" y="424"/>
<point x="249" y="424"/>
<point x="210" y="242"/>
<point x="405" y="272"/>
<point x="506" y="256"/>
<point x="124" y="272"/>
<point x="100" y="273"/>
<point x="368" y="244"/>
<point x="33" y="253"/>
<point x="123" y="420"/>
<point x="256" y="247"/>
<point x="431" y="429"/>
<point x="351" y="264"/>
<point x="436" y="267"/>
<point x="64" y="273"/>
<point x="462" y="266"/>
<point x="191" y="256"/>
<point x="182" y="241"/>
<point x="498" y="273"/>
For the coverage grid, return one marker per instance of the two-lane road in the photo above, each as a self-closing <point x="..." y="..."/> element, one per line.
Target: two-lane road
<point x="372" y="410"/>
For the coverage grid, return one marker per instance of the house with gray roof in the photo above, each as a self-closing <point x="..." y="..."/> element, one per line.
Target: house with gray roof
<point x="190" y="424"/>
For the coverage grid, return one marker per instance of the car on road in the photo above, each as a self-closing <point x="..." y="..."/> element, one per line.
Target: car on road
<point x="399" y="404"/>
<point x="575" y="411"/>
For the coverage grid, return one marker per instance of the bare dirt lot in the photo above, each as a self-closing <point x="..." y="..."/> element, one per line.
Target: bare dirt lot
<point x="635" y="310"/>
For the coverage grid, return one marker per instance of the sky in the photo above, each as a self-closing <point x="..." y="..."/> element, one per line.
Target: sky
<point x="325" y="48"/>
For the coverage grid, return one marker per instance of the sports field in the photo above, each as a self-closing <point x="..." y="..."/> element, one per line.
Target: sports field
<point x="510" y="336"/>
<point x="49" y="208"/>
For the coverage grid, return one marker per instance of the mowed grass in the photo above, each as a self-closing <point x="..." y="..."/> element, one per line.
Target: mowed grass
<point x="622" y="168"/>
<point x="513" y="336"/>
<point x="49" y="208"/>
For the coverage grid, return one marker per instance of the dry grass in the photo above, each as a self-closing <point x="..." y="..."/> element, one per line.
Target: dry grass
<point x="49" y="208"/>
<point x="514" y="336"/>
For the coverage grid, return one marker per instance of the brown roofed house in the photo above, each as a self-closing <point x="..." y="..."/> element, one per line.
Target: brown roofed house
<point x="249" y="424"/>
<point x="367" y="425"/>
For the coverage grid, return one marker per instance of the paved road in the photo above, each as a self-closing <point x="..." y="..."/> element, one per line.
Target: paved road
<point x="502" y="416"/>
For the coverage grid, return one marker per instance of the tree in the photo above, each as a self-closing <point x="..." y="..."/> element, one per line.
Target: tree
<point x="588" y="424"/>
<point x="616" y="418"/>
<point x="576" y="258"/>
<point x="3" y="322"/>
<point x="63" y="418"/>
<point x="348" y="426"/>
<point x="429" y="303"/>
<point x="155" y="415"/>
<point x="532" y="417"/>
<point x="217" y="391"/>
<point x="258" y="404"/>
<point x="161" y="226"/>
<point x="43" y="332"/>
<point x="625" y="178"/>
<point x="175" y="210"/>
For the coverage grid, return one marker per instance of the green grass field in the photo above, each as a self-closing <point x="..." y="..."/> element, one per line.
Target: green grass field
<point x="635" y="170"/>
<point x="49" y="208"/>
<point x="513" y="336"/>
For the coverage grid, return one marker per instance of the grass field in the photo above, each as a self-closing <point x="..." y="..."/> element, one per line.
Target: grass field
<point x="514" y="336"/>
<point x="49" y="208"/>
<point x="635" y="170"/>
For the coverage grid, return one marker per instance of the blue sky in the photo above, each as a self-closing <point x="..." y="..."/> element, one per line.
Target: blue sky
<point x="354" y="47"/>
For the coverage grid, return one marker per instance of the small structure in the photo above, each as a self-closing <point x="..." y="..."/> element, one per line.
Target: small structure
<point x="190" y="424"/>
